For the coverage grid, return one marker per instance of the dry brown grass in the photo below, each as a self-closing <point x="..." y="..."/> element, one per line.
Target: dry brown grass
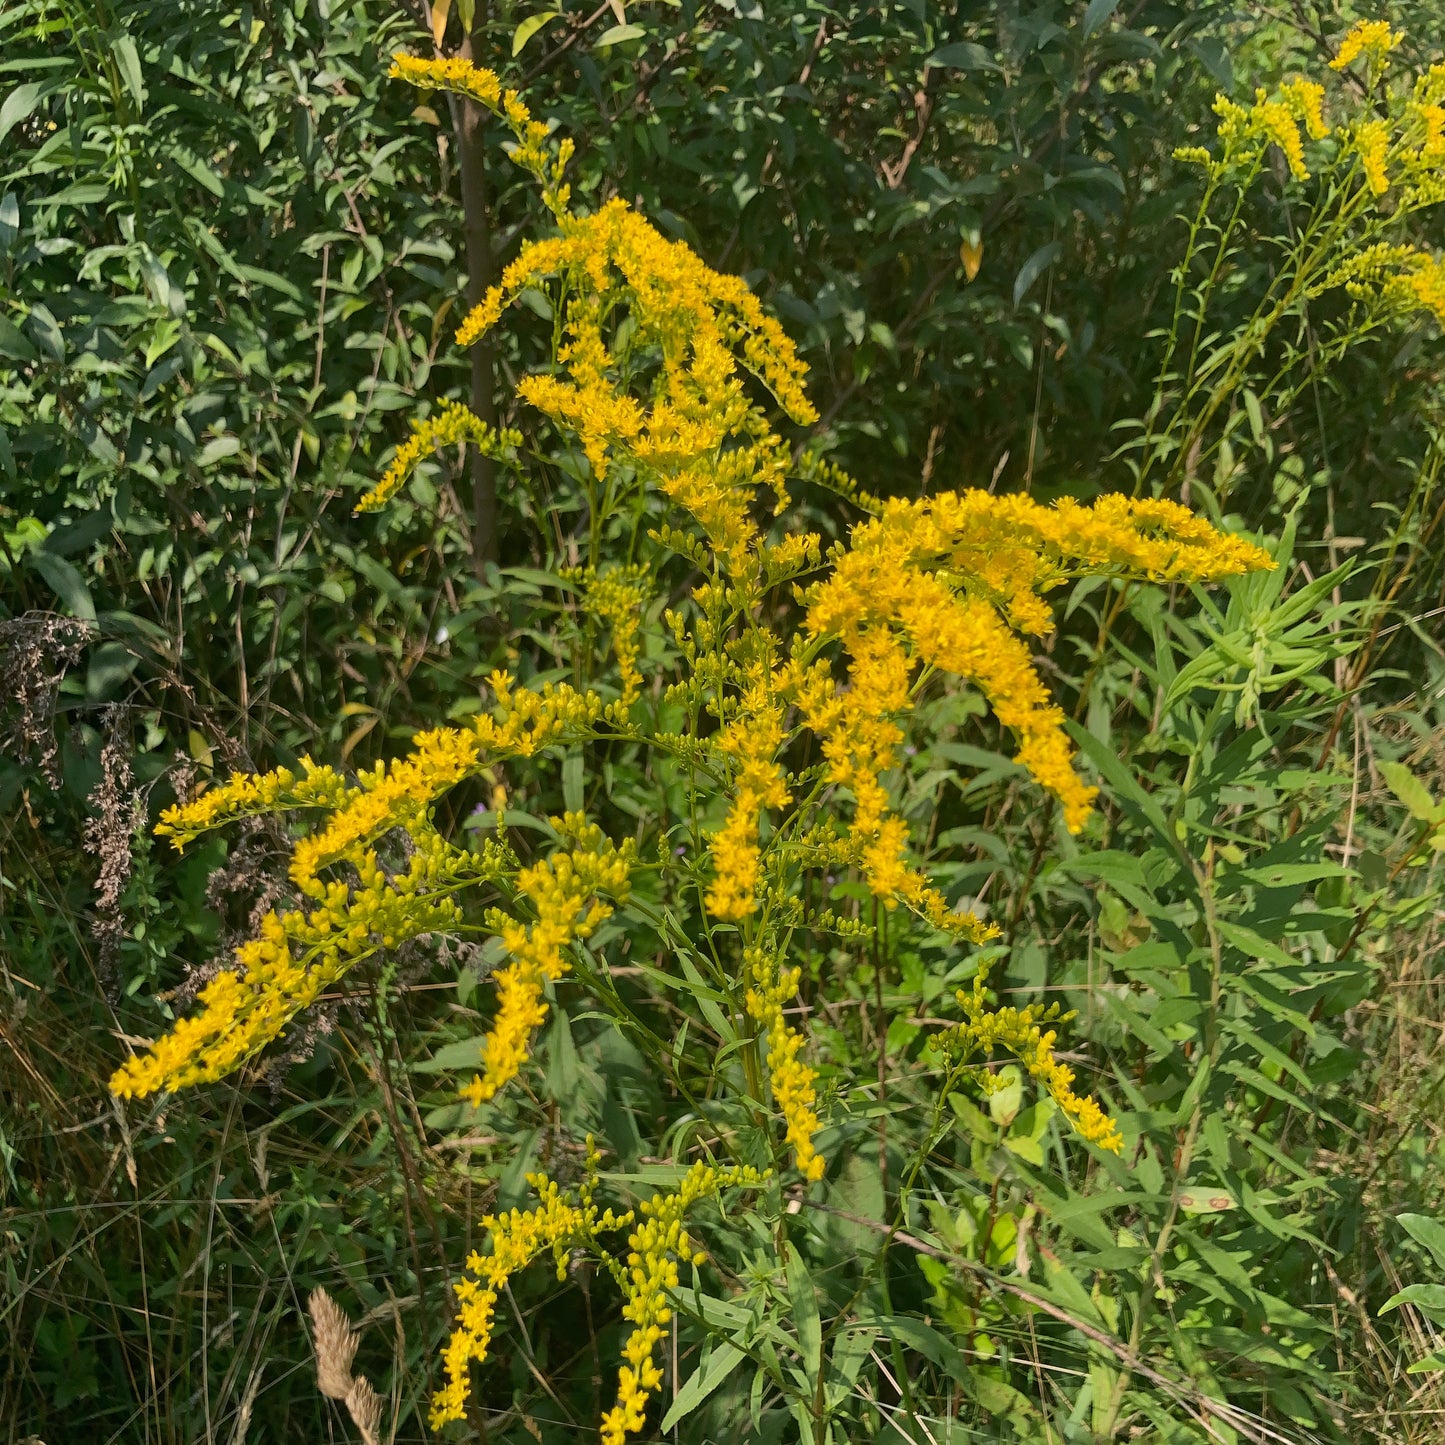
<point x="335" y="1344"/>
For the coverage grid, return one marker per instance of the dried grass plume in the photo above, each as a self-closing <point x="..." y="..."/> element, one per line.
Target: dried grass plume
<point x="335" y="1343"/>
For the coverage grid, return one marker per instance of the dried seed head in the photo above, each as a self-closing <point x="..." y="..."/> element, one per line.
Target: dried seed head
<point x="117" y="815"/>
<point x="335" y="1343"/>
<point x="364" y="1405"/>
<point x="36" y="650"/>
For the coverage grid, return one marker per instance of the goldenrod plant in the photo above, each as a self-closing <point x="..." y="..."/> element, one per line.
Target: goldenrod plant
<point x="797" y="671"/>
<point x="1357" y="163"/>
<point x="658" y="1240"/>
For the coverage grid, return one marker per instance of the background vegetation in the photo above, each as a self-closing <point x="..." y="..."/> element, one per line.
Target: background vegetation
<point x="231" y="257"/>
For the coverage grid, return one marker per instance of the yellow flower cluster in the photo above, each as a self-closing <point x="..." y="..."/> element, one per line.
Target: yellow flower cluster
<point x="1431" y="149"/>
<point x="1277" y="122"/>
<point x="388" y="796"/>
<point x="1420" y="285"/>
<point x="299" y="954"/>
<point x="527" y="720"/>
<point x="1020" y="1032"/>
<point x="561" y="1224"/>
<point x="953" y="583"/>
<point x="461" y="77"/>
<point x="1406" y="140"/>
<point x="701" y="441"/>
<point x="453" y="424"/>
<point x="393" y="794"/>
<point x="1397" y="277"/>
<point x="1372" y="143"/>
<point x="1306" y="102"/>
<point x="451" y="73"/>
<point x="859" y="743"/>
<point x="795" y="554"/>
<point x="695" y="314"/>
<point x="556" y="1223"/>
<point x="249" y="795"/>
<point x="752" y="741"/>
<point x="562" y="890"/>
<point x="1391" y="144"/>
<point x="1371" y="38"/>
<point x="1246" y="131"/>
<point x="654" y="1248"/>
<point x="616" y="597"/>
<point x="948" y="582"/>
<point x="771" y="984"/>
